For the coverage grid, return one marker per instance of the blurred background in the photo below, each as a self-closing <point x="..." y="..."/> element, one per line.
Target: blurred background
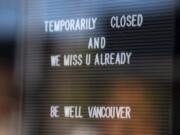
<point x="10" y="17"/>
<point x="9" y="92"/>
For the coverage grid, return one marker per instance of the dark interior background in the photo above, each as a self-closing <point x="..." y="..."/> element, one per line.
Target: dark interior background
<point x="176" y="98"/>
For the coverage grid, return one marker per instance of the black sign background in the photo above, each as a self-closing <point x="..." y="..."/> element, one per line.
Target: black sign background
<point x="146" y="82"/>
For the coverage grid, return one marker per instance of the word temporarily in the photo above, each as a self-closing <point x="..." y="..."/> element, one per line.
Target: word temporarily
<point x="94" y="112"/>
<point x="70" y="24"/>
